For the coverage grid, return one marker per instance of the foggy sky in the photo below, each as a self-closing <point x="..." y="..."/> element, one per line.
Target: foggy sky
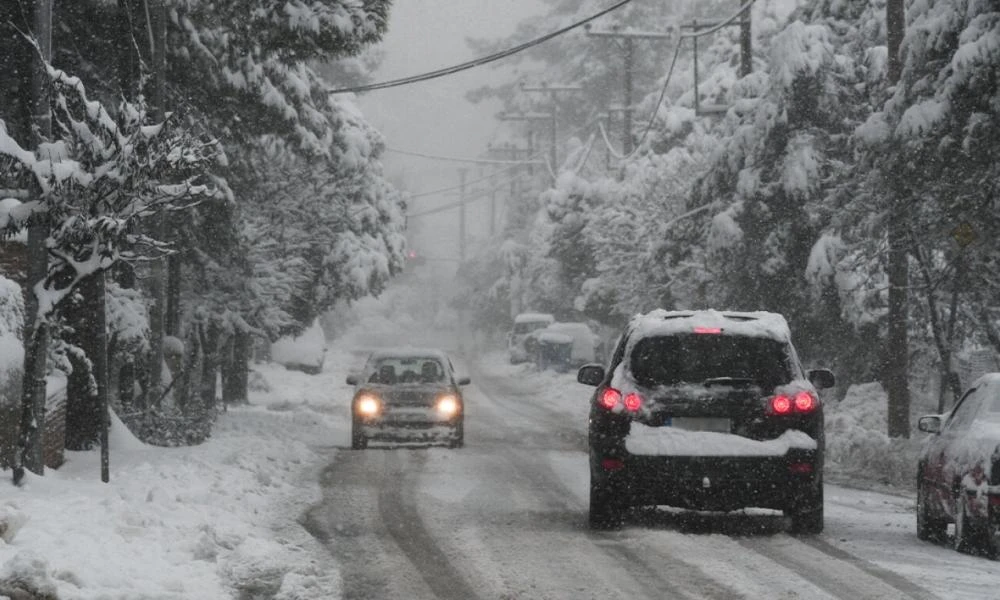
<point x="433" y="117"/>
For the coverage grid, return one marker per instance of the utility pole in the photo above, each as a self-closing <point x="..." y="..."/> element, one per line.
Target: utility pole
<point x="746" y="53"/>
<point x="514" y="153"/>
<point x="530" y="116"/>
<point x="628" y="50"/>
<point x="553" y="91"/>
<point x="896" y="362"/>
<point x="746" y="44"/>
<point x="461" y="215"/>
<point x="493" y="201"/>
<point x="30" y="452"/>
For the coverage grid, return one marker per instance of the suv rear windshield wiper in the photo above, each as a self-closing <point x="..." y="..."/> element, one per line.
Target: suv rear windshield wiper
<point x="728" y="381"/>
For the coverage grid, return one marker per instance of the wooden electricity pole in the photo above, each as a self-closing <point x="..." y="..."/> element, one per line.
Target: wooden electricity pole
<point x="896" y="362"/>
<point x="746" y="44"/>
<point x="553" y="91"/>
<point x="628" y="50"/>
<point x="461" y="215"/>
<point x="530" y="116"/>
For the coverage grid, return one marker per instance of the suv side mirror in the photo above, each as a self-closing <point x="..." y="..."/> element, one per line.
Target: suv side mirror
<point x="590" y="374"/>
<point x="464" y="381"/>
<point x="352" y="380"/>
<point x="822" y="378"/>
<point x="930" y="424"/>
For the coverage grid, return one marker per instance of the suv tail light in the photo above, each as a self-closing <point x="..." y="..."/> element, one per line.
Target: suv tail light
<point x="611" y="398"/>
<point x="801" y="403"/>
<point x="804" y="402"/>
<point x="633" y="402"/>
<point x="781" y="404"/>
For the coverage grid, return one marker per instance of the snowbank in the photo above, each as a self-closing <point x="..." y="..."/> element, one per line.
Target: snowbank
<point x="212" y="521"/>
<point x="857" y="446"/>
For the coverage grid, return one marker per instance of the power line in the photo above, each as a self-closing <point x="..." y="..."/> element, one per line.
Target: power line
<point x="673" y="62"/>
<point x="530" y="160"/>
<point x="476" y="195"/>
<point x="455" y="187"/>
<point x="478" y="61"/>
<point x="478" y="161"/>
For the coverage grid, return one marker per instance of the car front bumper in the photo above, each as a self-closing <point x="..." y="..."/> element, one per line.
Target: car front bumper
<point x="409" y="423"/>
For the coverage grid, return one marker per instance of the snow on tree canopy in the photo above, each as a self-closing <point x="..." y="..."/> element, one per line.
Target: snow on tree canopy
<point x="10" y="217"/>
<point x="11" y="323"/>
<point x="799" y="50"/>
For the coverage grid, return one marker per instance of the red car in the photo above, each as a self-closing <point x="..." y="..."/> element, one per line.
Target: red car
<point x="958" y="476"/>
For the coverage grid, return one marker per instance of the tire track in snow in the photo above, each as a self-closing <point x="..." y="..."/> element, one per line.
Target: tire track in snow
<point x="371" y="566"/>
<point x="669" y="572"/>
<point x="397" y="508"/>
<point x="911" y="589"/>
<point x="837" y="572"/>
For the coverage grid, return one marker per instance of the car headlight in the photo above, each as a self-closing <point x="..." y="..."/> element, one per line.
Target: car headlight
<point x="447" y="406"/>
<point x="368" y="405"/>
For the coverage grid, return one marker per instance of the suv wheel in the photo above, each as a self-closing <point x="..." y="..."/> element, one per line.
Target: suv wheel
<point x="605" y="508"/>
<point x="457" y="436"/>
<point x="970" y="536"/>
<point x="807" y="514"/>
<point x="358" y="439"/>
<point x="929" y="528"/>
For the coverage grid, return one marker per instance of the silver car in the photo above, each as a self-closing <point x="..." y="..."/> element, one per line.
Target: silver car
<point x="408" y="395"/>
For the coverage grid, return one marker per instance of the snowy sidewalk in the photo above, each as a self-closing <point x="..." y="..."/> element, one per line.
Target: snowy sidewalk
<point x="204" y="522"/>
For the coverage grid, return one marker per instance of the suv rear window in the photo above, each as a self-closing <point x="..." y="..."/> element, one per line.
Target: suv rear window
<point x="693" y="358"/>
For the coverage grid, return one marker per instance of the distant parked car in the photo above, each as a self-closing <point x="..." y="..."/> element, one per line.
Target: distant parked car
<point x="706" y="410"/>
<point x="524" y="324"/>
<point x="305" y="352"/>
<point x="585" y="344"/>
<point x="408" y="395"/>
<point x="958" y="475"/>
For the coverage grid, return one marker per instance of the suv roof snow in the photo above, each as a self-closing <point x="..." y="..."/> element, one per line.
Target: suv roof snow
<point x="751" y="324"/>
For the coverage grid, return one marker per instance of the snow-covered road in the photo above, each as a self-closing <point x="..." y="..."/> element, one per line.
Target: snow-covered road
<point x="505" y="518"/>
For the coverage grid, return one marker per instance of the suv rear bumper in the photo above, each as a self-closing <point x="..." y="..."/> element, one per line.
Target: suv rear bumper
<point x="713" y="483"/>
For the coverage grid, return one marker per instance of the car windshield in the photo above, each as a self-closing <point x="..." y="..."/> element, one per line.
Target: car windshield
<point x="391" y="370"/>
<point x="669" y="360"/>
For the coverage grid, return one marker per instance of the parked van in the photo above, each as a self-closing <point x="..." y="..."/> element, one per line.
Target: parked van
<point x="524" y="324"/>
<point x="584" y="344"/>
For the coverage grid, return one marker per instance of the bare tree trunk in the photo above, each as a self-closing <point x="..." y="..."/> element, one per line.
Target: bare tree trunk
<point x="943" y="337"/>
<point x="896" y="374"/>
<point x="172" y="319"/>
<point x="83" y="411"/>
<point x="30" y="453"/>
<point x="101" y="369"/>
<point x="209" y="333"/>
<point x="896" y="370"/>
<point x="156" y="23"/>
<point x="236" y="371"/>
